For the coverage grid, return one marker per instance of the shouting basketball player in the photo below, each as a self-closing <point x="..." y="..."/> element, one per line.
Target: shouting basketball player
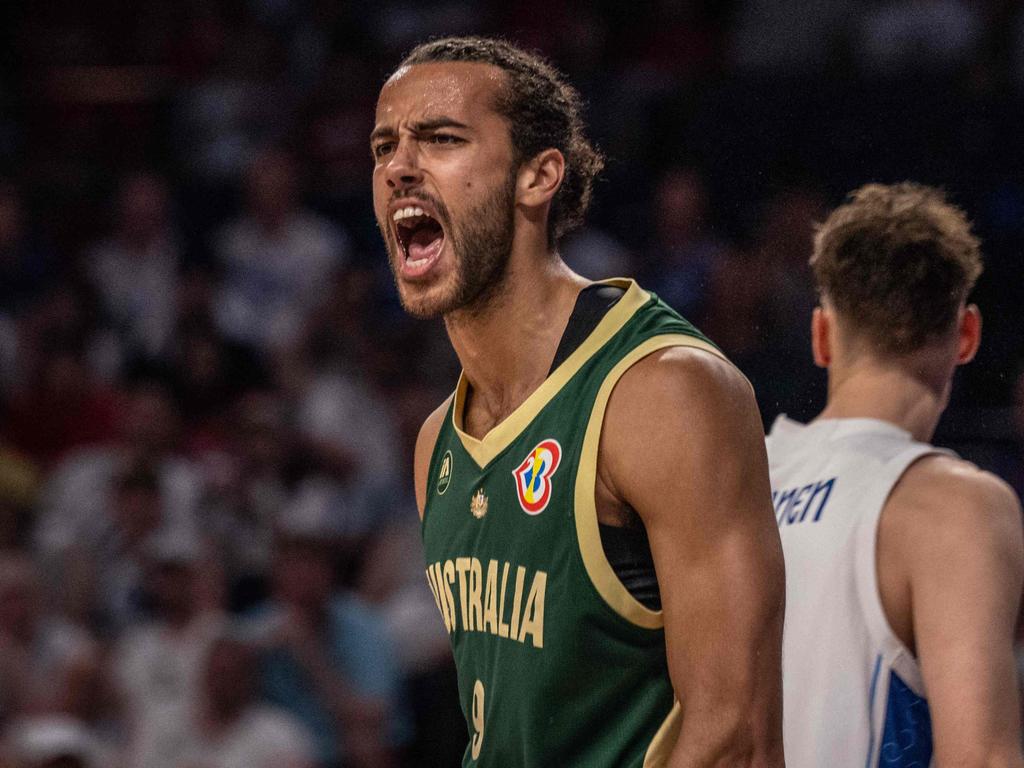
<point x="594" y="496"/>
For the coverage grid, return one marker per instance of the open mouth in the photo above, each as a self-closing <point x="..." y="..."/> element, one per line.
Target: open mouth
<point x="420" y="236"/>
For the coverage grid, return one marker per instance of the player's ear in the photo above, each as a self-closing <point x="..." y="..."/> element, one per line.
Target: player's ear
<point x="540" y="177"/>
<point x="821" y="337"/>
<point x="969" y="333"/>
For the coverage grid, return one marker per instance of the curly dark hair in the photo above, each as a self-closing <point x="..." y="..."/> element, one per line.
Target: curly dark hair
<point x="897" y="261"/>
<point x="543" y="111"/>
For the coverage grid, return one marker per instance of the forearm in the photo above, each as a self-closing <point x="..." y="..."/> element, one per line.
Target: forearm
<point x="726" y="736"/>
<point x="1005" y="756"/>
<point x="729" y="683"/>
<point x="985" y="736"/>
<point x="713" y="742"/>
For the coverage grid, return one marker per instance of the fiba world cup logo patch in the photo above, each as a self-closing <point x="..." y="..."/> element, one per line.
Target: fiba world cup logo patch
<point x="533" y="477"/>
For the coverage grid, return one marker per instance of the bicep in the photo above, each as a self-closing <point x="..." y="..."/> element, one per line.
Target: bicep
<point x="965" y="582"/>
<point x="696" y="473"/>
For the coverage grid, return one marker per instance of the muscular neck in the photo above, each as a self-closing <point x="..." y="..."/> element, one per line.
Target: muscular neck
<point x="506" y="348"/>
<point x="897" y="393"/>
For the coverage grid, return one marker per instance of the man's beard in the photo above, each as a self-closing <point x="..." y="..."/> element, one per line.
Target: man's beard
<point x="480" y="246"/>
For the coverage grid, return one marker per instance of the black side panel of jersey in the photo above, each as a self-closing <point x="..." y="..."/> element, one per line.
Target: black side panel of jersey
<point x="592" y="304"/>
<point x="627" y="548"/>
<point x="629" y="553"/>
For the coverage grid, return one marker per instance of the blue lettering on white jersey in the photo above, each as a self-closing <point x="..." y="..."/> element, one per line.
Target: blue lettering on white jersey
<point x="792" y="505"/>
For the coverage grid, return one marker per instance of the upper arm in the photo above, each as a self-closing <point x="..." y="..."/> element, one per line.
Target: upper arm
<point x="958" y="533"/>
<point x="425" y="442"/>
<point x="684" y="447"/>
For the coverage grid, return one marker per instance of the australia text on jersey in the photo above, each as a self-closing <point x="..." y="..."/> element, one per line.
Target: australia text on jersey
<point x="792" y="505"/>
<point x="474" y="603"/>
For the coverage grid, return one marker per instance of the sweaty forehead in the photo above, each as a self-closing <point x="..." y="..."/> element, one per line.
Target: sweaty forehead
<point x="457" y="89"/>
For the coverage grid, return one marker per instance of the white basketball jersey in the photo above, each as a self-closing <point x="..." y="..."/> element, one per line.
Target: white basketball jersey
<point x="852" y="692"/>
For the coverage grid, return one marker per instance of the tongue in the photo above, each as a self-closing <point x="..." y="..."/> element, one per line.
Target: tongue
<point x="424" y="243"/>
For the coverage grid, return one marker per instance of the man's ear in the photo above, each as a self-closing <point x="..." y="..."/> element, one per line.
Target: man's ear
<point x="539" y="178"/>
<point x="969" y="334"/>
<point x="822" y="330"/>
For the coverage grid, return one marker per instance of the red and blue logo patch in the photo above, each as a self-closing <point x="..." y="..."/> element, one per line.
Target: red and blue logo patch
<point x="533" y="477"/>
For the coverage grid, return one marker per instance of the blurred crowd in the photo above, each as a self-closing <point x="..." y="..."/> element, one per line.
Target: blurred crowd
<point x="209" y="552"/>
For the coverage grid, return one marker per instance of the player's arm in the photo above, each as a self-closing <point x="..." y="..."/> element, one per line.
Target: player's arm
<point x="955" y="534"/>
<point x="683" y="445"/>
<point x="425" y="441"/>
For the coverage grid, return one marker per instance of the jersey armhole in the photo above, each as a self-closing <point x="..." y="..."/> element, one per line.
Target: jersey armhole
<point x="866" y="563"/>
<point x="588" y="536"/>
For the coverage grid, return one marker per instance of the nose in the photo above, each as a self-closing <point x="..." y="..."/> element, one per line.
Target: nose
<point x="403" y="168"/>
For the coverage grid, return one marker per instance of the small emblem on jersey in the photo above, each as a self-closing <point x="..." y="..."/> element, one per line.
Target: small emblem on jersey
<point x="478" y="504"/>
<point x="533" y="477"/>
<point x="445" y="475"/>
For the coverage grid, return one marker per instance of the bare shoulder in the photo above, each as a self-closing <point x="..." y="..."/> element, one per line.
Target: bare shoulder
<point x="951" y="570"/>
<point x="677" y="376"/>
<point x="675" y="416"/>
<point x="425" y="441"/>
<point x="949" y="498"/>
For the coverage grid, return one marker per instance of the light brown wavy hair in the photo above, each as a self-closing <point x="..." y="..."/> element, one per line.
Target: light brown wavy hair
<point x="897" y="261"/>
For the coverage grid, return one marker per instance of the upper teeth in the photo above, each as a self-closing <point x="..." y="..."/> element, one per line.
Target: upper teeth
<point x="405" y="213"/>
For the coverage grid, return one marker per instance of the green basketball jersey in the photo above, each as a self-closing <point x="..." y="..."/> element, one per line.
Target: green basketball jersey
<point x="558" y="665"/>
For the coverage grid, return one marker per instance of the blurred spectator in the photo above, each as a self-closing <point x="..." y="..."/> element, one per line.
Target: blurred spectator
<point x="739" y="306"/>
<point x="783" y="244"/>
<point x="159" y="664"/>
<point x="100" y="503"/>
<point x="78" y="493"/>
<point x="763" y="308"/>
<point x="740" y="320"/>
<point x="249" y="482"/>
<point x="135" y="271"/>
<point x="47" y="663"/>
<point x="237" y="105"/>
<point x="207" y="375"/>
<point x="352" y="433"/>
<point x="54" y="741"/>
<point x="111" y="572"/>
<point x="337" y="121"/>
<point x="278" y="258"/>
<point x="330" y="662"/>
<point x="236" y="730"/>
<point x="678" y="264"/>
<point x="392" y="582"/>
<point x="63" y="407"/>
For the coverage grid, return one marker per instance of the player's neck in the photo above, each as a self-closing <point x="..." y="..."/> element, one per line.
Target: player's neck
<point x="506" y="348"/>
<point x="888" y="393"/>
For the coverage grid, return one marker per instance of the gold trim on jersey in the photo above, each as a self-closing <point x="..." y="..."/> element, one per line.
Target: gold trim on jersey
<point x="501" y="436"/>
<point x="664" y="741"/>
<point x="598" y="568"/>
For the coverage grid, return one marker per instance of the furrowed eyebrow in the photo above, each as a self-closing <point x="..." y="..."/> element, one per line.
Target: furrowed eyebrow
<point x="382" y="130"/>
<point x="424" y="126"/>
<point x="439" y="122"/>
